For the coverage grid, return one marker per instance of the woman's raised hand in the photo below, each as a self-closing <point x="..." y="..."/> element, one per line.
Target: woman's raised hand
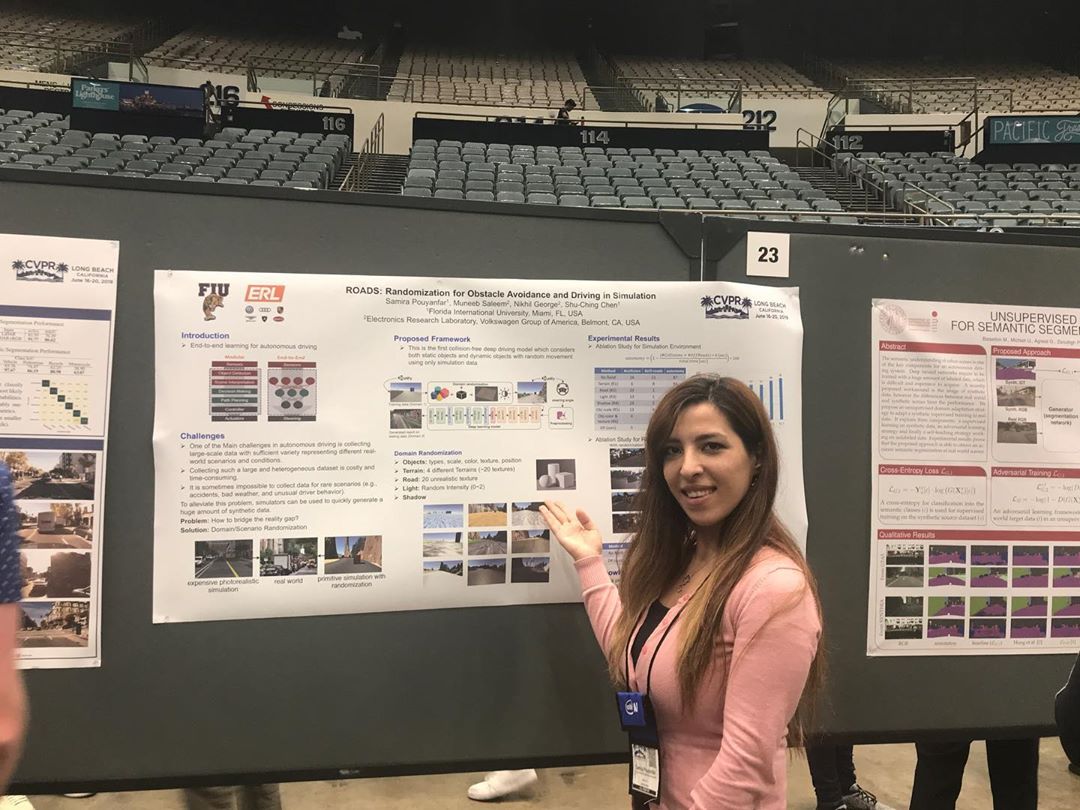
<point x="575" y="531"/>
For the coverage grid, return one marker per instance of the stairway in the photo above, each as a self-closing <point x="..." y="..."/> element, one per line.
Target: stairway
<point x="851" y="197"/>
<point x="378" y="174"/>
<point x="605" y="88"/>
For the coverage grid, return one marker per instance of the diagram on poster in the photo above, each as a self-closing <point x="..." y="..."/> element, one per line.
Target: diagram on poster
<point x="381" y="443"/>
<point x="56" y="331"/>
<point x="976" y="479"/>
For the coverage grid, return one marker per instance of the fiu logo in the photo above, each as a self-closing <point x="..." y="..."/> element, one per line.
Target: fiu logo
<point x="727" y="306"/>
<point x="39" y="270"/>
<point x="213" y="296"/>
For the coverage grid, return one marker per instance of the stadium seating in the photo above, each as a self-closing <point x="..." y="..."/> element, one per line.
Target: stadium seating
<point x="933" y="87"/>
<point x="287" y="57"/>
<point x="754" y="182"/>
<point x="767" y="78"/>
<point x="32" y="36"/>
<point x="45" y="141"/>
<point x="463" y="76"/>
<point x="991" y="194"/>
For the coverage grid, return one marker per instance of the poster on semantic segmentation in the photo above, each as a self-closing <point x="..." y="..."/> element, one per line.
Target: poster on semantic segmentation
<point x="57" y="305"/>
<point x="976" y="479"/>
<point x="343" y="444"/>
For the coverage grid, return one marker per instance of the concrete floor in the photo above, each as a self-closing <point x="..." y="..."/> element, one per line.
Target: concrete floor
<point x="884" y="769"/>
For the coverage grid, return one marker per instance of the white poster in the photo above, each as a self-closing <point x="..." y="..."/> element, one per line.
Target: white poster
<point x="339" y="444"/>
<point x="976" y="479"/>
<point x="57" y="302"/>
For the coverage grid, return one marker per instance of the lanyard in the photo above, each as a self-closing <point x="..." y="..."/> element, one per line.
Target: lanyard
<point x="663" y="638"/>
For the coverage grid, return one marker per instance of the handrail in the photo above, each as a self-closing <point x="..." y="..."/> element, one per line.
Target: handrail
<point x="864" y="179"/>
<point x="591" y="122"/>
<point x="903" y="218"/>
<point x="373" y="144"/>
<point x="327" y="78"/>
<point x="255" y="61"/>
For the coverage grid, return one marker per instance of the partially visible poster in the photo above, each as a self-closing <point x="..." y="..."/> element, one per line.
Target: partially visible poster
<point x="57" y="306"/>
<point x="976" y="479"/>
<point x="342" y="444"/>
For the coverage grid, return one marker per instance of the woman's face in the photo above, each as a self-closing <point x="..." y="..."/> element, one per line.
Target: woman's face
<point x="706" y="465"/>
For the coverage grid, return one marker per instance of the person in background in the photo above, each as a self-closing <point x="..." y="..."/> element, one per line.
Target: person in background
<point x="713" y="630"/>
<point x="498" y="784"/>
<point x="660" y="104"/>
<point x="1013" y="766"/>
<point x="563" y="115"/>
<point x="1067" y="716"/>
<point x="832" y="770"/>
<point x="13" y="707"/>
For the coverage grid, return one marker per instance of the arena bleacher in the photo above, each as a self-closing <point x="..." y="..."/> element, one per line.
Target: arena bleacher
<point x="753" y="182"/>
<point x="45" y="142"/>
<point x="955" y="85"/>
<point x="763" y="78"/>
<point x="324" y="59"/>
<point x="46" y="40"/>
<point x="513" y="78"/>
<point x="1023" y="193"/>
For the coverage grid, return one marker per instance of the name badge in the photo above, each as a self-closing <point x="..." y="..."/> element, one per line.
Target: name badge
<point x="631" y="710"/>
<point x="644" y="771"/>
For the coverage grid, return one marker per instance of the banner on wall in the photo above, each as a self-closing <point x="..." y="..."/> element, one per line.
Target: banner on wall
<point x="342" y="444"/>
<point x="56" y="335"/>
<point x="975" y="531"/>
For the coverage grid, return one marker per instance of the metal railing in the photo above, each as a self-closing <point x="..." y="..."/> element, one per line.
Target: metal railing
<point x="64" y="54"/>
<point x="373" y="145"/>
<point x="729" y="93"/>
<point x="586" y="122"/>
<point x="910" y="95"/>
<point x="912" y="207"/>
<point x="328" y="79"/>
<point x="643" y="93"/>
<point x="984" y="220"/>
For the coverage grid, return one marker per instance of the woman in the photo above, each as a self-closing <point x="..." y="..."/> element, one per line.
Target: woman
<point x="731" y="683"/>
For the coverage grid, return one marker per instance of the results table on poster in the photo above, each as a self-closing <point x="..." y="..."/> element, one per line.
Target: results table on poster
<point x="625" y="397"/>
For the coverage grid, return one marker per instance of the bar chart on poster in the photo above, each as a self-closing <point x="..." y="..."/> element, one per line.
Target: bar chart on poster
<point x="374" y="443"/>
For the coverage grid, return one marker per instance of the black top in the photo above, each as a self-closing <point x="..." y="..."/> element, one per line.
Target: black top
<point x="656" y="614"/>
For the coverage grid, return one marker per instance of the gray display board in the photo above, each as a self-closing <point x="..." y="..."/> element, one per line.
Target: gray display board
<point x="319" y="697"/>
<point x="313" y="696"/>
<point x="838" y="273"/>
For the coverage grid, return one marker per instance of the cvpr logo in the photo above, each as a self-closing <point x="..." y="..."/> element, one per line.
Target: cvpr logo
<point x="265" y="293"/>
<point x="727" y="306"/>
<point x="39" y="270"/>
<point x="213" y="296"/>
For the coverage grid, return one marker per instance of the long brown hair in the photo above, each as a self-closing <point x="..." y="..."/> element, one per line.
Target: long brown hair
<point x="661" y="548"/>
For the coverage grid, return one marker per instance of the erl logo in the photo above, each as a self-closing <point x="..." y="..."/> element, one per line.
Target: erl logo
<point x="265" y="293"/>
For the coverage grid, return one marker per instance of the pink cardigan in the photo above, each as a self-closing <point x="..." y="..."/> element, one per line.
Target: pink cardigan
<point x="729" y="751"/>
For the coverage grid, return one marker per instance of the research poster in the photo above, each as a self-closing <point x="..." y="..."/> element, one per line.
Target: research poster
<point x="339" y="444"/>
<point x="976" y="479"/>
<point x="57" y="302"/>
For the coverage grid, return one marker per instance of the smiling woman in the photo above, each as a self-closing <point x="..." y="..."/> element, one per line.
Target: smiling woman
<point x="712" y="706"/>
